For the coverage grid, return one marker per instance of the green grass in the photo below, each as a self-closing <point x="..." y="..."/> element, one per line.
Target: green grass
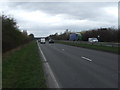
<point x="23" y="69"/>
<point x="90" y="46"/>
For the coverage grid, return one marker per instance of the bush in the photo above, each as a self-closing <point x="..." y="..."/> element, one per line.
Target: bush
<point x="11" y="35"/>
<point x="106" y="34"/>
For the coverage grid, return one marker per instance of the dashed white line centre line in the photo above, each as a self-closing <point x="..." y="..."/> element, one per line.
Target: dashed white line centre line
<point x="86" y="58"/>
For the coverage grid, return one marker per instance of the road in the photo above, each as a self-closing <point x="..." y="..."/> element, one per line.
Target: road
<point x="76" y="67"/>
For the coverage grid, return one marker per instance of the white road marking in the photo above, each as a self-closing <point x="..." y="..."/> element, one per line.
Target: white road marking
<point x="63" y="49"/>
<point x="41" y="53"/>
<point x="86" y="58"/>
<point x="48" y="67"/>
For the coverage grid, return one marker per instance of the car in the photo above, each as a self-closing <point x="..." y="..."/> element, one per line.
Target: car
<point x="42" y="40"/>
<point x="92" y="40"/>
<point x="51" y="41"/>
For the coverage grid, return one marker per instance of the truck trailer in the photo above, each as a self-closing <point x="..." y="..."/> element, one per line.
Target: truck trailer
<point x="75" y="36"/>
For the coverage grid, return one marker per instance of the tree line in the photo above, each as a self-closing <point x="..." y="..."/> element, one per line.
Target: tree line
<point x="12" y="37"/>
<point x="103" y="35"/>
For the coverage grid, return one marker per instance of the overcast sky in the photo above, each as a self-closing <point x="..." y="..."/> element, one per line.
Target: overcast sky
<point x="43" y="19"/>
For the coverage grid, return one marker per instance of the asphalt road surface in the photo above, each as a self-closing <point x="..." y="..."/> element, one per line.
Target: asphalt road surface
<point x="76" y="67"/>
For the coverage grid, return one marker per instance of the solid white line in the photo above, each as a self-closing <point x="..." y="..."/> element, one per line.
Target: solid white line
<point x="86" y="58"/>
<point x="52" y="75"/>
<point x="48" y="67"/>
<point x="41" y="52"/>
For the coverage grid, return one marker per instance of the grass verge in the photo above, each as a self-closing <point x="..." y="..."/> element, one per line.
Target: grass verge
<point x="90" y="46"/>
<point x="23" y="69"/>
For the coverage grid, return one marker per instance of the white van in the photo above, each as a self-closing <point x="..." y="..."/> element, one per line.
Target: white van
<point x="42" y="40"/>
<point x="92" y="40"/>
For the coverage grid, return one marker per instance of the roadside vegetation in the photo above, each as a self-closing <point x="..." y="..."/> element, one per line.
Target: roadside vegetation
<point x="23" y="68"/>
<point x="102" y="34"/>
<point x="12" y="36"/>
<point x="92" y="46"/>
<point x="21" y="63"/>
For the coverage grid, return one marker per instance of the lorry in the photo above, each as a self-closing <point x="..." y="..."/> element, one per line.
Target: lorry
<point x="75" y="36"/>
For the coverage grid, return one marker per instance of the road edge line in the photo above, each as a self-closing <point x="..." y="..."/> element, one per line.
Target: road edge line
<point x="48" y="71"/>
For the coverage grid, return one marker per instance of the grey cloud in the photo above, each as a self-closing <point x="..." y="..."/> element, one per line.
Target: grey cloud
<point x="78" y="9"/>
<point x="91" y="11"/>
